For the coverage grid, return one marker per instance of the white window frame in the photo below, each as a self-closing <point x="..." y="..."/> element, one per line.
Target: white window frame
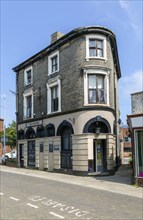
<point x="94" y="72"/>
<point x="25" y="76"/>
<point x="98" y="37"/>
<point x="52" y="83"/>
<point x="25" y="95"/>
<point x="50" y="62"/>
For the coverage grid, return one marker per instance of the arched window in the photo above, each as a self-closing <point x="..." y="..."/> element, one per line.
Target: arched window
<point x="30" y="133"/>
<point x="97" y="125"/>
<point x="40" y="131"/>
<point x="50" y="130"/>
<point x="20" y="134"/>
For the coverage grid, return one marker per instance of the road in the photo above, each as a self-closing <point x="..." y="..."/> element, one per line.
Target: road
<point x="25" y="197"/>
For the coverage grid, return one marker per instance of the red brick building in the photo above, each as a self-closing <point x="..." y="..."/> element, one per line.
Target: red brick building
<point x="126" y="147"/>
<point x="1" y="144"/>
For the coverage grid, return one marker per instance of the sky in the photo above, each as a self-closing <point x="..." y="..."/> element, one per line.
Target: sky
<point x="26" y="27"/>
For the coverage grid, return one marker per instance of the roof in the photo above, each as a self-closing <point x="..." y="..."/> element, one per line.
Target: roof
<point x="69" y="36"/>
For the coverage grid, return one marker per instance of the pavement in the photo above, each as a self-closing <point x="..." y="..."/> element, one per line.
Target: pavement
<point x="120" y="183"/>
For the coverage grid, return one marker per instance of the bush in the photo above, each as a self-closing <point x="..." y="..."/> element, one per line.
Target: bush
<point x="12" y="162"/>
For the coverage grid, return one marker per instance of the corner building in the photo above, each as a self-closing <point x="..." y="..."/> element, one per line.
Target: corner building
<point x="67" y="103"/>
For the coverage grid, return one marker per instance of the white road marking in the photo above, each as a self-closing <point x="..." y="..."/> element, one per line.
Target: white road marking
<point x="14" y="198"/>
<point x="60" y="216"/>
<point x="34" y="206"/>
<point x="1" y="193"/>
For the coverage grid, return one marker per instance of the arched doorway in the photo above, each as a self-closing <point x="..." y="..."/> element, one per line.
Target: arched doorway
<point x="30" y="134"/>
<point x="65" y="130"/>
<point x="98" y="126"/>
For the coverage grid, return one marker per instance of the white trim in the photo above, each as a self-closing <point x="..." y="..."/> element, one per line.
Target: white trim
<point x="51" y="83"/>
<point x="95" y="71"/>
<point x="100" y="37"/>
<point x="25" y="76"/>
<point x="136" y="151"/>
<point x="25" y="95"/>
<point x="50" y="62"/>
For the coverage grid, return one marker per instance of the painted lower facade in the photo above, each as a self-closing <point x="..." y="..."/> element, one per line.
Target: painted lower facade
<point x="82" y="142"/>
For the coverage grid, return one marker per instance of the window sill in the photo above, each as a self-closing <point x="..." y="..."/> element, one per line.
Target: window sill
<point x="52" y="113"/>
<point x="51" y="73"/>
<point x="96" y="104"/>
<point x="96" y="58"/>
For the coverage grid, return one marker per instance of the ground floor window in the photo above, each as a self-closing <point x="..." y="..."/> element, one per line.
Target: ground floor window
<point x="139" y="152"/>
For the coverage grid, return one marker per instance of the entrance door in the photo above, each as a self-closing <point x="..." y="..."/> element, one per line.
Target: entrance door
<point x="21" y="153"/>
<point x="99" y="156"/>
<point x="66" y="151"/>
<point x="31" y="153"/>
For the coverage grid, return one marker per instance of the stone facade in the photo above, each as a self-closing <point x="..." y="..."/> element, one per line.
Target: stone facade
<point x="137" y="102"/>
<point x="74" y="144"/>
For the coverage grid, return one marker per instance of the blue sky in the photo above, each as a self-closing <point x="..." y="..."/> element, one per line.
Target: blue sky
<point x="26" y="27"/>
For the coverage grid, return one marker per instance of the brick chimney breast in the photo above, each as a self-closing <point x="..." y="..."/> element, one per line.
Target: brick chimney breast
<point x="55" y="36"/>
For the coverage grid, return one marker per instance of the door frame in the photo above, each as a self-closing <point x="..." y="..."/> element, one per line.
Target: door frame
<point x="34" y="156"/>
<point x="103" y="154"/>
<point x="21" y="155"/>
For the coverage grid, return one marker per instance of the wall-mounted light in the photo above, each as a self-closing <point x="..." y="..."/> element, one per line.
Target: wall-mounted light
<point x="97" y="130"/>
<point x="34" y="115"/>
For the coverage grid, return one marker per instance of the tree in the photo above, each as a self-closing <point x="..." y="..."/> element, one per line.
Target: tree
<point x="10" y="133"/>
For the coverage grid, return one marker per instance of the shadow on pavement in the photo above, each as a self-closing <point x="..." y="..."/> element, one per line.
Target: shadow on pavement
<point x="123" y="175"/>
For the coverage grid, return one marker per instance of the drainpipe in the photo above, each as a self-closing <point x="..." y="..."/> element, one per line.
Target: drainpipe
<point x="115" y="94"/>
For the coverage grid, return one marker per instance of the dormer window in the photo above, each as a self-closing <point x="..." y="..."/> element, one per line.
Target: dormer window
<point x="28" y="76"/>
<point x="53" y="63"/>
<point x="95" y="47"/>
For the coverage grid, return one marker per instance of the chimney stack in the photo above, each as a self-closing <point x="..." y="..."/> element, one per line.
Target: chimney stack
<point x="55" y="36"/>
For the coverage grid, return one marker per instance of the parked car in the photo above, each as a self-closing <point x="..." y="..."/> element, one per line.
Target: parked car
<point x="11" y="154"/>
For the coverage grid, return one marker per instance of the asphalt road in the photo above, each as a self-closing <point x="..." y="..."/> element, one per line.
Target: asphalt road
<point x="24" y="197"/>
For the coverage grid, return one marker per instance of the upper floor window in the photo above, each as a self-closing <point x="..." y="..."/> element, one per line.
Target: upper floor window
<point x="96" y="90"/>
<point x="54" y="95"/>
<point x="53" y="63"/>
<point x="28" y="104"/>
<point x="28" y="76"/>
<point x="95" y="47"/>
<point x="96" y="86"/>
<point x="54" y="98"/>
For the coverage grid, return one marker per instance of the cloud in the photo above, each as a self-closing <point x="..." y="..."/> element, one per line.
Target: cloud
<point x="131" y="83"/>
<point x="135" y="20"/>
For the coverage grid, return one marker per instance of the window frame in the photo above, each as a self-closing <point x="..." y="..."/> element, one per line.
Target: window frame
<point x="26" y="83"/>
<point x="99" y="72"/>
<point x="50" y="63"/>
<point x="26" y="94"/>
<point x="98" y="38"/>
<point x="53" y="83"/>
